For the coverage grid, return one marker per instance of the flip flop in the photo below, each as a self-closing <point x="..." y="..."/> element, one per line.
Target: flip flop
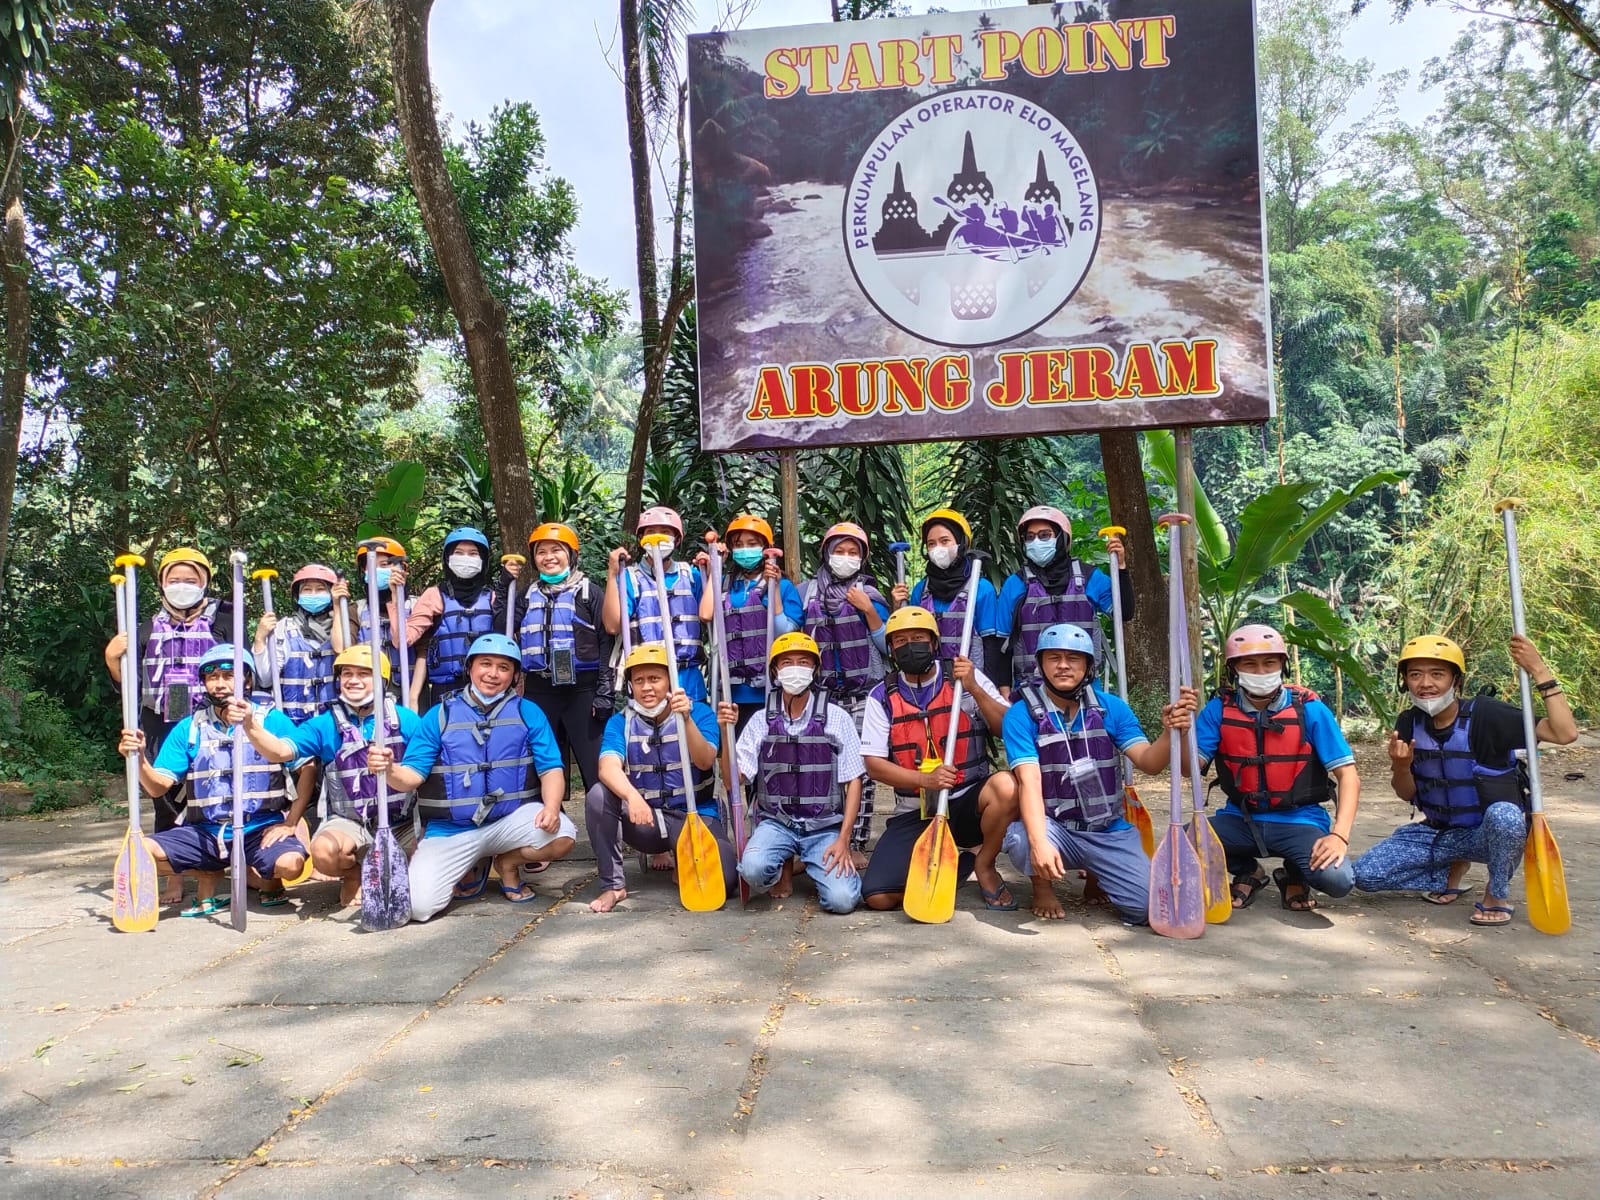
<point x="1480" y="909"/>
<point x="1445" y="895"/>
<point x="515" y="896"/>
<point x="273" y="897"/>
<point x="476" y="886"/>
<point x="207" y="907"/>
<point x="534" y="868"/>
<point x="991" y="900"/>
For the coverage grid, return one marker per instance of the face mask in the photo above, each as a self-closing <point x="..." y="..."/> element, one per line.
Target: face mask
<point x="315" y="604"/>
<point x="557" y="578"/>
<point x="795" y="680"/>
<point x="843" y="566"/>
<point x="383" y="579"/>
<point x="655" y="710"/>
<point x="667" y="547"/>
<point x="747" y="557"/>
<point x="483" y="700"/>
<point x="1040" y="553"/>
<point x="1433" y="705"/>
<point x="942" y="556"/>
<point x="464" y="566"/>
<point x="356" y="701"/>
<point x="183" y="595"/>
<point x="914" y="658"/>
<point x="1261" y="685"/>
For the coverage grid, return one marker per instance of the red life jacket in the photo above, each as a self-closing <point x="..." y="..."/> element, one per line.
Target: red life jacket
<point x="1269" y="766"/>
<point x="916" y="733"/>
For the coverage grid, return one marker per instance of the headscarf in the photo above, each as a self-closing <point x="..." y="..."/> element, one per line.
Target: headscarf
<point x="1057" y="573"/>
<point x="832" y="591"/>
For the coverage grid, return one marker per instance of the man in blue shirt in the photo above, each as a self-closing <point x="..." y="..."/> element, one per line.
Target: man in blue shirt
<point x="1279" y="753"/>
<point x="489" y="780"/>
<point x="1062" y="742"/>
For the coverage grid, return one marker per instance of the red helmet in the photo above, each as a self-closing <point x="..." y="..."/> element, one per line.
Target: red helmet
<point x="312" y="571"/>
<point x="660" y="515"/>
<point x="1253" y="639"/>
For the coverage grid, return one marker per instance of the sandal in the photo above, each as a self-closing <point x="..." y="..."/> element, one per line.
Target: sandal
<point x="473" y="886"/>
<point x="207" y="907"/>
<point x="1300" y="902"/>
<point x="273" y="897"/>
<point x="1445" y="895"/>
<point x="1481" y="911"/>
<point x="1245" y="888"/>
<point x="515" y="895"/>
<point x="993" y="900"/>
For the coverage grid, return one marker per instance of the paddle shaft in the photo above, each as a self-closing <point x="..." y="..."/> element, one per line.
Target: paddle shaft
<point x="774" y="599"/>
<point x="402" y="651"/>
<point x="375" y="648"/>
<point x="277" y="668"/>
<point x="1186" y="678"/>
<point x="719" y="635"/>
<point x="974" y="573"/>
<point x="344" y="621"/>
<point x="1175" y="629"/>
<point x="237" y="866"/>
<point x="128" y="624"/>
<point x="1519" y="625"/>
<point x="627" y="624"/>
<point x="1116" y="639"/>
<point x="662" y="599"/>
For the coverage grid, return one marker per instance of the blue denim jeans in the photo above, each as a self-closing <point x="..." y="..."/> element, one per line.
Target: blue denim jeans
<point x="774" y="843"/>
<point x="1289" y="840"/>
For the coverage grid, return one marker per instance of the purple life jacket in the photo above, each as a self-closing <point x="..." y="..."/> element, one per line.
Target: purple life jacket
<point x="655" y="767"/>
<point x="745" y="626"/>
<point x="1037" y="611"/>
<point x="851" y="663"/>
<point x="352" y="790"/>
<point x="171" y="661"/>
<point x="1088" y="798"/>
<point x="798" y="779"/>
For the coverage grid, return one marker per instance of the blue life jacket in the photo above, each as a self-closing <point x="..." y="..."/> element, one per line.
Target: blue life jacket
<point x="549" y="623"/>
<point x="1453" y="788"/>
<point x="459" y="626"/>
<point x="265" y="785"/>
<point x="304" y="669"/>
<point x="485" y="769"/>
<point x="685" y="611"/>
<point x="655" y="766"/>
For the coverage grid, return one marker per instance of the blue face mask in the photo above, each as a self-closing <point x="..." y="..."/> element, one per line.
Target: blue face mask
<point x="557" y="578"/>
<point x="1040" y="553"/>
<point x="316" y="604"/>
<point x="383" y="579"/>
<point x="747" y="556"/>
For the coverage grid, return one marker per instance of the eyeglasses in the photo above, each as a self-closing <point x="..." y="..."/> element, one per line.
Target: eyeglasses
<point x="1049" y="536"/>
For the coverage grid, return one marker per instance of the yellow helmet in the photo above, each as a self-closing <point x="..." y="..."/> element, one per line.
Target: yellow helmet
<point x="1433" y="645"/>
<point x="911" y="617"/>
<point x="184" y="554"/>
<point x="948" y="516"/>
<point x="645" y="654"/>
<point x="794" y="641"/>
<point x="360" y="656"/>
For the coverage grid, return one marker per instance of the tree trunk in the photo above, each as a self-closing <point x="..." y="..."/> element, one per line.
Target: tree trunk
<point x="655" y="336"/>
<point x="481" y="316"/>
<point x="19" y="320"/>
<point x="1130" y="508"/>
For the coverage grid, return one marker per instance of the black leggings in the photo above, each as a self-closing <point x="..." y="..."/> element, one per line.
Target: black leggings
<point x="570" y="711"/>
<point x="170" y="804"/>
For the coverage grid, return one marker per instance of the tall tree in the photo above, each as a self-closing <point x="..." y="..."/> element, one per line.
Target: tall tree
<point x="479" y="312"/>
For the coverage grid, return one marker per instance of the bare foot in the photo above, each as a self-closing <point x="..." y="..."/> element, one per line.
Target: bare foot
<point x="1093" y="893"/>
<point x="1045" y="905"/>
<point x="608" y="899"/>
<point x="349" y="890"/>
<point x="663" y="862"/>
<point x="172" y="890"/>
<point x="784" y="888"/>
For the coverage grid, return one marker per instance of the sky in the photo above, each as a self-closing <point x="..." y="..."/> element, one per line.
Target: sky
<point x="553" y="53"/>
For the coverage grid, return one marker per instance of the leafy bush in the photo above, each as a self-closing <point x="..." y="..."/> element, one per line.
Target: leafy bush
<point x="40" y="746"/>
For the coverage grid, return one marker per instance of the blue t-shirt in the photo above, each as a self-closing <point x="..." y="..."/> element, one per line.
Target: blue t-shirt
<point x="986" y="619"/>
<point x="1322" y="731"/>
<point x="318" y="737"/>
<point x="614" y="741"/>
<point x="1097" y="588"/>
<point x="175" y="757"/>
<point x="788" y="619"/>
<point x="691" y="679"/>
<point x="1020" y="731"/>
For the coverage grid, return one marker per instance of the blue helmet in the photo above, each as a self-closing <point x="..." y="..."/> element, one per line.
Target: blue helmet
<point x="467" y="534"/>
<point x="221" y="655"/>
<point x="496" y="643"/>
<point x="1067" y="637"/>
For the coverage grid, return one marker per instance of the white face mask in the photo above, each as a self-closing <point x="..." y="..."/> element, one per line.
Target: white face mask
<point x="654" y="711"/>
<point x="795" y="680"/>
<point x="666" y="548"/>
<point x="485" y="700"/>
<point x="843" y="565"/>
<point x="465" y="566"/>
<point x="1261" y="685"/>
<point x="183" y="595"/>
<point x="1433" y="705"/>
<point x="942" y="556"/>
<point x="361" y="701"/>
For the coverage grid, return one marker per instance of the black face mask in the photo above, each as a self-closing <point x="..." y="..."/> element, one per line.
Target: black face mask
<point x="914" y="658"/>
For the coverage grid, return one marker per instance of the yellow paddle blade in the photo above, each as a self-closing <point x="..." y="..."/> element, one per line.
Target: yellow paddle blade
<point x="1139" y="817"/>
<point x="134" y="887"/>
<point x="931" y="881"/>
<point x="701" y="887"/>
<point x="303" y="832"/>
<point x="1546" y="880"/>
<point x="1213" y="870"/>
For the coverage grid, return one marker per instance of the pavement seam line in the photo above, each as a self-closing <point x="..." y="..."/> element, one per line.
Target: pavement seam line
<point x="745" y="1103"/>
<point x="292" y="1123"/>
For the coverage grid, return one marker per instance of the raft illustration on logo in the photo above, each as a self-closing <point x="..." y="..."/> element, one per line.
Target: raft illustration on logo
<point x="1014" y="211"/>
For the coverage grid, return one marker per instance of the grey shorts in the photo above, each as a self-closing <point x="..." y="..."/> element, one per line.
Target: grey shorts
<point x="358" y="833"/>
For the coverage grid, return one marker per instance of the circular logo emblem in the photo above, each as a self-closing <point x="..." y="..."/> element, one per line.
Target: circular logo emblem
<point x="972" y="218"/>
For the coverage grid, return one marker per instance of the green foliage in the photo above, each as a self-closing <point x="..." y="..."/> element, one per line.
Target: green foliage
<point x="992" y="483"/>
<point x="393" y="510"/>
<point x="39" y="744"/>
<point x="27" y="27"/>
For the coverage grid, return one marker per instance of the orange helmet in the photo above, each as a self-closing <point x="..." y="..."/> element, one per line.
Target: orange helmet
<point x="847" y="529"/>
<point x="747" y="523"/>
<point x="384" y="545"/>
<point x="554" y="531"/>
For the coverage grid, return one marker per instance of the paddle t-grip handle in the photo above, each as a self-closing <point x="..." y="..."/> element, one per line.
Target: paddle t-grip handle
<point x="899" y="550"/>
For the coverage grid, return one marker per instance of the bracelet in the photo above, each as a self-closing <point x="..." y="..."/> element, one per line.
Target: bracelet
<point x="1340" y="836"/>
<point x="1548" y="686"/>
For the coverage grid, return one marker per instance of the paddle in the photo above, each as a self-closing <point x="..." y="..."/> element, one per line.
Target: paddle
<point x="398" y="635"/>
<point x="238" y="869"/>
<point x="719" y="638"/>
<point x="931" y="881"/>
<point x="1542" y="873"/>
<point x="511" y="595"/>
<point x="302" y="831"/>
<point x="385" y="879"/>
<point x="1133" y="808"/>
<point x="1177" y="900"/>
<point x="1207" y="845"/>
<point x="898" y="549"/>
<point x="701" y="887"/>
<point x="135" y="890"/>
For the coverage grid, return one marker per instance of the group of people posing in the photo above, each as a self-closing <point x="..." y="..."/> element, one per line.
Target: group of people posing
<point x="520" y="668"/>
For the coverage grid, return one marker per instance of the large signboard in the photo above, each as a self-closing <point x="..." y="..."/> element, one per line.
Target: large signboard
<point x="1011" y="221"/>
